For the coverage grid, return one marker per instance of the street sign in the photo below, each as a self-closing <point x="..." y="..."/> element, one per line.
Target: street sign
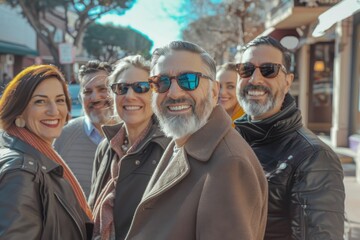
<point x="66" y="53"/>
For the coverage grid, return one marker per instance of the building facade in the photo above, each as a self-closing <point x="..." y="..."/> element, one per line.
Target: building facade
<point x="326" y="52"/>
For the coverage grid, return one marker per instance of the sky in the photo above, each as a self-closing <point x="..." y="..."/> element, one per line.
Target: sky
<point x="150" y="18"/>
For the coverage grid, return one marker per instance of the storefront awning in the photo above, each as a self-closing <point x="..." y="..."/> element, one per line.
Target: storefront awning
<point x="337" y="13"/>
<point x="16" y="49"/>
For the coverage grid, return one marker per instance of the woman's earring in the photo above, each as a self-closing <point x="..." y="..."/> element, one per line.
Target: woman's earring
<point x="20" y="122"/>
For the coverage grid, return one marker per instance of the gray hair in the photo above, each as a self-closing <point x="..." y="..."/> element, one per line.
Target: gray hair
<point x="91" y="67"/>
<point x="185" y="46"/>
<point x="125" y="63"/>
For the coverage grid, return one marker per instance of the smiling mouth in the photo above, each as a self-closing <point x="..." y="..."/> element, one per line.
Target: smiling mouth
<point x="256" y="93"/>
<point x="132" y="108"/>
<point x="179" y="108"/>
<point x="100" y="104"/>
<point x="51" y="123"/>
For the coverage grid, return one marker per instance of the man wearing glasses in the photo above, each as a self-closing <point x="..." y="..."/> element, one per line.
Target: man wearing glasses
<point x="306" y="191"/>
<point x="209" y="183"/>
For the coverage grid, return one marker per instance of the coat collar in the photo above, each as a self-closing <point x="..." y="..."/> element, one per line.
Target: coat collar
<point x="287" y="120"/>
<point x="47" y="165"/>
<point x="202" y="143"/>
<point x="155" y="134"/>
<point x="200" y="146"/>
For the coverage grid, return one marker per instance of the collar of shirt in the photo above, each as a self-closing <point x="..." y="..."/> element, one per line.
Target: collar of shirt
<point x="92" y="132"/>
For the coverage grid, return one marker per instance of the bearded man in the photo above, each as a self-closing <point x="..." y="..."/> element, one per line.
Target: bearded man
<point x="306" y="190"/>
<point x="209" y="183"/>
<point x="80" y="137"/>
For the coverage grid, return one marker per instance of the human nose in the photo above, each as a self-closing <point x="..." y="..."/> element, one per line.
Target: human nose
<point x="256" y="76"/>
<point x="222" y="91"/>
<point x="96" y="95"/>
<point x="52" y="109"/>
<point x="175" y="90"/>
<point x="130" y="92"/>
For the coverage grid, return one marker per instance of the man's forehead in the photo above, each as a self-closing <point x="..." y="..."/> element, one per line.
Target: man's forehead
<point x="178" y="61"/>
<point x="261" y="53"/>
<point x="94" y="79"/>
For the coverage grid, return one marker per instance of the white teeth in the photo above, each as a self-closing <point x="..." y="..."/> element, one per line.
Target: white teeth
<point x="256" y="93"/>
<point x="50" y="122"/>
<point x="179" y="108"/>
<point x="132" y="108"/>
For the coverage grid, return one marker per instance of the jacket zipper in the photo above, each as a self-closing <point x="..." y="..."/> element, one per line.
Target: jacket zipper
<point x="71" y="215"/>
<point x="304" y="219"/>
<point x="112" y="154"/>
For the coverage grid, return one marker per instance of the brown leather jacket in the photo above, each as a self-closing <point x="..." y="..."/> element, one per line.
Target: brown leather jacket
<point x="135" y="173"/>
<point x="36" y="202"/>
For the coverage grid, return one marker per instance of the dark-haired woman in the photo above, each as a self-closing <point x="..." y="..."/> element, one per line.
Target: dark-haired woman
<point x="40" y="197"/>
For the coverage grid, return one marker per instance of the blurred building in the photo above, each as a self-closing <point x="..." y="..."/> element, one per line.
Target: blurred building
<point x="324" y="36"/>
<point x="18" y="42"/>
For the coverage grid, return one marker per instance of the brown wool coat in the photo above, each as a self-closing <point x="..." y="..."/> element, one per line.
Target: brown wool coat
<point x="214" y="188"/>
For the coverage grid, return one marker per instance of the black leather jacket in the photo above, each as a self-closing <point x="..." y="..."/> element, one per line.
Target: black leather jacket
<point x="36" y="202"/>
<point x="135" y="172"/>
<point x="306" y="191"/>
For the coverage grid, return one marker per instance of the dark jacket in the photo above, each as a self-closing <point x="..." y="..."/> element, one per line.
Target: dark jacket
<point x="213" y="188"/>
<point x="36" y="201"/>
<point x="306" y="191"/>
<point x="135" y="172"/>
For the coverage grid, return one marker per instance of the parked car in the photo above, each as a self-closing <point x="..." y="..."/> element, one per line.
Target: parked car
<point x="76" y="107"/>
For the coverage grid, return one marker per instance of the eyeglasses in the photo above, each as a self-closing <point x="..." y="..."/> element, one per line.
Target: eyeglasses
<point x="268" y="70"/>
<point x="122" y="88"/>
<point x="188" y="81"/>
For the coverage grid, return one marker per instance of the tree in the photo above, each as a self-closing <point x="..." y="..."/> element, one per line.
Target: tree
<point x="220" y="26"/>
<point x="108" y="42"/>
<point x="48" y="17"/>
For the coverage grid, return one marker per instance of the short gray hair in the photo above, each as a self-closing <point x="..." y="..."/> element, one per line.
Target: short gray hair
<point x="93" y="66"/>
<point x="125" y="63"/>
<point x="185" y="46"/>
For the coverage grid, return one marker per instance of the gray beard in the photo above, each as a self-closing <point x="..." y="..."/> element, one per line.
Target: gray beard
<point x="178" y="126"/>
<point x="101" y="118"/>
<point x="255" y="108"/>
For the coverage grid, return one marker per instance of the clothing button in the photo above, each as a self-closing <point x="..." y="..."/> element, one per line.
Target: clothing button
<point x="154" y="162"/>
<point x="282" y="166"/>
<point x="137" y="162"/>
<point x="290" y="157"/>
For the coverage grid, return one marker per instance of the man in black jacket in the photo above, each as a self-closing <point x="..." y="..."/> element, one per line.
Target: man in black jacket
<point x="306" y="191"/>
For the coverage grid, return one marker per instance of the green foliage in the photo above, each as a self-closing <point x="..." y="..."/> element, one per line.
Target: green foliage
<point x="109" y="43"/>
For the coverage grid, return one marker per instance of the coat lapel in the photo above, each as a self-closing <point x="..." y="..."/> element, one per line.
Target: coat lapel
<point x="168" y="173"/>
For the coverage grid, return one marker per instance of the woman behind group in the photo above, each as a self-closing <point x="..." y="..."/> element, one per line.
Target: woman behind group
<point x="226" y="75"/>
<point x="40" y="197"/>
<point x="126" y="159"/>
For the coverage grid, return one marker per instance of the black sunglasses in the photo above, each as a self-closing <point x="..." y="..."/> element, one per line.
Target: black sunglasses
<point x="268" y="70"/>
<point x="122" y="88"/>
<point x="188" y="81"/>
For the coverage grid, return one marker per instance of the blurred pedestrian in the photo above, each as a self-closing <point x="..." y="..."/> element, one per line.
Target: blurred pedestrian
<point x="227" y="75"/>
<point x="78" y="141"/>
<point x="209" y="183"/>
<point x="306" y="191"/>
<point x="127" y="157"/>
<point x="40" y="197"/>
